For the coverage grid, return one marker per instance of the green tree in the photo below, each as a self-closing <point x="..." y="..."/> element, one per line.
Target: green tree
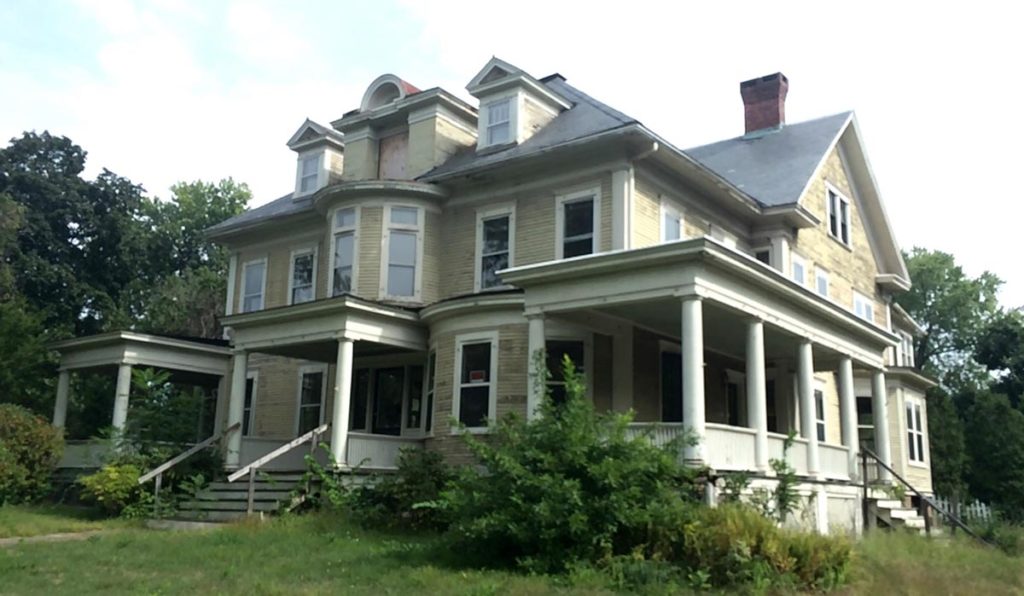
<point x="946" y="444"/>
<point x="1001" y="350"/>
<point x="995" y="445"/>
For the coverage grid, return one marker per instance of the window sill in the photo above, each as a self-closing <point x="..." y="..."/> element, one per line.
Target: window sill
<point x="918" y="464"/>
<point x="476" y="430"/>
<point x="839" y="241"/>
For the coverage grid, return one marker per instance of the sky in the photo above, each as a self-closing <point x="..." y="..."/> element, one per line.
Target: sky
<point x="173" y="90"/>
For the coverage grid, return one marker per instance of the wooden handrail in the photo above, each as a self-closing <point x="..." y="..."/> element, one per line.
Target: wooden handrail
<point x="177" y="459"/>
<point x="924" y="499"/>
<point x="252" y="467"/>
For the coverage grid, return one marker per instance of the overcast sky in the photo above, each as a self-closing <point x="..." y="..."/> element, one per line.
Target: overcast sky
<point x="176" y="90"/>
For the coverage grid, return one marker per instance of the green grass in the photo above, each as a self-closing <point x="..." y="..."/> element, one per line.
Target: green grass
<point x="324" y="553"/>
<point x="36" y="520"/>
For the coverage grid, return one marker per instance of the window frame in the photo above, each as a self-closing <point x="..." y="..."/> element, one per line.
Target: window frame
<point x="313" y="251"/>
<point x="338" y="231"/>
<point x="861" y="302"/>
<point x="905" y="350"/>
<point x="794" y="260"/>
<point x="594" y="194"/>
<point x="429" y="391"/>
<point x="302" y="371"/>
<point x="461" y="341"/>
<point x="667" y="209"/>
<point x="263" y="287"/>
<point x="567" y="334"/>
<point x="385" y="261"/>
<point x="844" y="224"/>
<point x="819" y="276"/>
<point x="317" y="155"/>
<point x="482" y="215"/>
<point x="910" y="406"/>
<point x="513" y="119"/>
<point x="820" y="416"/>
<point x="250" y="419"/>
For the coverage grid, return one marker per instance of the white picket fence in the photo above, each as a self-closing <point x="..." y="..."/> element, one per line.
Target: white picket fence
<point x="968" y="512"/>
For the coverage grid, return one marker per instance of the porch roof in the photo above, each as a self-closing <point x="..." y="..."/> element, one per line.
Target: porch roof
<point x="128" y="347"/>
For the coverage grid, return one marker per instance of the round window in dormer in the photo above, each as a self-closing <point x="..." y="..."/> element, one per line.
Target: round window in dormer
<point x="385" y="90"/>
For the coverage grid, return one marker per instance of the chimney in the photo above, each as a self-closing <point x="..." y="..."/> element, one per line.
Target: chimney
<point x="764" y="102"/>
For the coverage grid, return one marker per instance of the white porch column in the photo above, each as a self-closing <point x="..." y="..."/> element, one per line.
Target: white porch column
<point x="693" y="377"/>
<point x="60" y="407"/>
<point x="342" y="401"/>
<point x="121" y="392"/>
<point x="848" y="414"/>
<point x="535" y="359"/>
<point x="805" y="386"/>
<point x="881" y="414"/>
<point x="236" y="407"/>
<point x="757" y="398"/>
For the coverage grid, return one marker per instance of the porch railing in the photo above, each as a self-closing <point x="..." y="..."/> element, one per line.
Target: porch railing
<point x="158" y="472"/>
<point x="251" y="469"/>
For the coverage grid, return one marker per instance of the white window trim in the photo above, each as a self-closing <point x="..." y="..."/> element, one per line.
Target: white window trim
<point x="831" y="189"/>
<point x="821" y="420"/>
<point x="820" y="274"/>
<point x="794" y="260"/>
<point x="560" y="332"/>
<point x="492" y="404"/>
<point x="253" y="374"/>
<point x="355" y="248"/>
<point x="386" y="251"/>
<point x="429" y="390"/>
<point x="229" y="307"/>
<point x="868" y="303"/>
<point x="560" y="202"/>
<point x="298" y="252"/>
<point x="666" y="210"/>
<point x="263" y="288"/>
<point x="321" y="172"/>
<point x="905" y="350"/>
<point x="481" y="216"/>
<point x="515" y="103"/>
<point x="303" y="370"/>
<point x="913" y="402"/>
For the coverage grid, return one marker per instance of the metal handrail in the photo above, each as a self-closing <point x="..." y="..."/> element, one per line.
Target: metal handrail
<point x="158" y="472"/>
<point x="253" y="467"/>
<point x="925" y="500"/>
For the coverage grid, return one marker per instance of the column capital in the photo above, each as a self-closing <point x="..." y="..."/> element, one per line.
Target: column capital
<point x="534" y="316"/>
<point x="239" y="352"/>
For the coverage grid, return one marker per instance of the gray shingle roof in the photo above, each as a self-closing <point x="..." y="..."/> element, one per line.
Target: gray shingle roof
<point x="774" y="167"/>
<point x="587" y="117"/>
<point x="276" y="208"/>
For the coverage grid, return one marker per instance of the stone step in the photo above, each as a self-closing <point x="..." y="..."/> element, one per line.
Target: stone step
<point x="888" y="504"/>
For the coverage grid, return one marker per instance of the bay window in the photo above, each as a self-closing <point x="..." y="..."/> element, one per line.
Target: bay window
<point x="476" y="361"/>
<point x="404" y="252"/>
<point x="345" y="225"/>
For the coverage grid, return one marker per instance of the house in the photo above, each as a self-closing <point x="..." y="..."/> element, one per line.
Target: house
<point x="431" y="248"/>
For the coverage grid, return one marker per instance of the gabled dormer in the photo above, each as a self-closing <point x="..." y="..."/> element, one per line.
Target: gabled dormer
<point x="320" y="157"/>
<point x="513" y="104"/>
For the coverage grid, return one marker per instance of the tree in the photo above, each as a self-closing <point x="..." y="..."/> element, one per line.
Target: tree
<point x="946" y="444"/>
<point x="995" y="444"/>
<point x="1001" y="350"/>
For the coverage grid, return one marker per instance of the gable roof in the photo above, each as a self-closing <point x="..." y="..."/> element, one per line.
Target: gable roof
<point x="751" y="162"/>
<point x="313" y="131"/>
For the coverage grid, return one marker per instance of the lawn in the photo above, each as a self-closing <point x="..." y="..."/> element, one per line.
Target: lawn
<point x="17" y="520"/>
<point x="324" y="553"/>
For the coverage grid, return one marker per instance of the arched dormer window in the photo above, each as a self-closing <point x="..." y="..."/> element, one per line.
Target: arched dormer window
<point x="386" y="89"/>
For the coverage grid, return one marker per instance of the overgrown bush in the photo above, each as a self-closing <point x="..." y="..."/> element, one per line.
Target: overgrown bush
<point x="1007" y="537"/>
<point x="113" y="488"/>
<point x="407" y="498"/>
<point x="30" y="449"/>
<point x="569" y="487"/>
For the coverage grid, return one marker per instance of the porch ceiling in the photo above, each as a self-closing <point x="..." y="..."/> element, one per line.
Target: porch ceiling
<point x="98" y="352"/>
<point x="327" y="351"/>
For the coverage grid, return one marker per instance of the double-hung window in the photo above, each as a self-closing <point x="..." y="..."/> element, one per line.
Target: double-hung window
<point x="302" y="284"/>
<point x="866" y="421"/>
<point x="311" y="399"/>
<point x="863" y="307"/>
<point x="915" y="432"/>
<point x="404" y="252"/>
<point x="838" y="208"/>
<point x="344" y="257"/>
<point x="499" y="122"/>
<point x="495" y="231"/>
<point x="476" y="361"/>
<point x="798" y="269"/>
<point x="821" y="282"/>
<point x="309" y="173"/>
<point x="556" y="352"/>
<point x="906" y="354"/>
<point x="577" y="224"/>
<point x="671" y="223"/>
<point x="249" y="405"/>
<point x="819" y="414"/>
<point x="254" y="278"/>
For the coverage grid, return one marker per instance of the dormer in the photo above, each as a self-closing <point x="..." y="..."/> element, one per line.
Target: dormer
<point x="320" y="157"/>
<point x="513" y="104"/>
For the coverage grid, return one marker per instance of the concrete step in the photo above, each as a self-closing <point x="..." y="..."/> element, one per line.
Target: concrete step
<point x="913" y="522"/>
<point x="888" y="504"/>
<point x="230" y="505"/>
<point x="213" y="516"/>
<point x="244" y="485"/>
<point x="243" y="495"/>
<point x="903" y="513"/>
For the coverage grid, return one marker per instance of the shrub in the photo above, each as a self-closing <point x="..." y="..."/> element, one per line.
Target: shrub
<point x="114" y="487"/>
<point x="568" y="488"/>
<point x="406" y="499"/>
<point x="30" y="449"/>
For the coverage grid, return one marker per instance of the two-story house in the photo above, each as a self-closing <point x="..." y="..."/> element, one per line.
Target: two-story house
<point x="432" y="248"/>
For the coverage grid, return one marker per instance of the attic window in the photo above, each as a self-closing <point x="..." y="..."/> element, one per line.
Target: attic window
<point x="309" y="173"/>
<point x="499" y="122"/>
<point x="838" y="208"/>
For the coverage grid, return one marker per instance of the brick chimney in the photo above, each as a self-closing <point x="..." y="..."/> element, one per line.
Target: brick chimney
<point x="764" y="102"/>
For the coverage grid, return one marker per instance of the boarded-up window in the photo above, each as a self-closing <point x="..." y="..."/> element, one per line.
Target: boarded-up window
<point x="392" y="156"/>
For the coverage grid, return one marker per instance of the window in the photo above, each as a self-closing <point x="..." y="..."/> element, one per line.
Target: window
<point x="734" y="384"/>
<point x="555" y="352"/>
<point x="821" y="281"/>
<point x="915" y="432"/>
<point x="838" y="208"/>
<point x="414" y="413"/>
<point x="344" y="256"/>
<point x="249" y="406"/>
<point x="819" y="414"/>
<point x="499" y="122"/>
<point x="311" y="397"/>
<point x="495" y="231"/>
<point x="798" y="269"/>
<point x="671" y="385"/>
<point x="302" y="285"/>
<point x="671" y="223"/>
<point x="403" y="252"/>
<point x="309" y="173"/>
<point x="772" y="408"/>
<point x="428" y="425"/>
<point x="866" y="421"/>
<point x="863" y="307"/>
<point x="576" y="221"/>
<point x="360" y="399"/>
<point x="388" y="392"/>
<point x="764" y="255"/>
<point x="475" y="392"/>
<point x="254" y="277"/>
<point x="906" y="350"/>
